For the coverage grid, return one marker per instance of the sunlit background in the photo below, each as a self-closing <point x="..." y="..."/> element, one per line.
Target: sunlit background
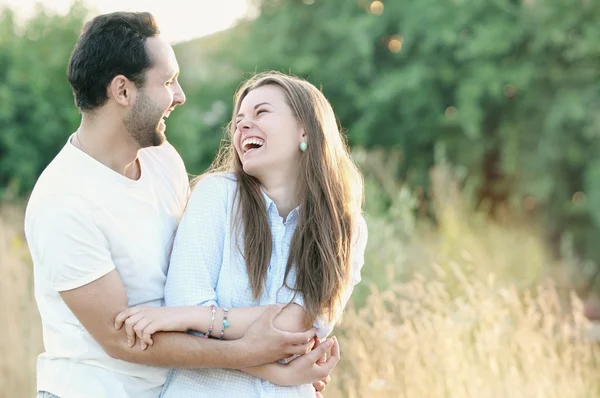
<point x="180" y="20"/>
<point x="476" y="125"/>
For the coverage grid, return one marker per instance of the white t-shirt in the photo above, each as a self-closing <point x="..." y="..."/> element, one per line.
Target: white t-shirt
<point x="82" y="221"/>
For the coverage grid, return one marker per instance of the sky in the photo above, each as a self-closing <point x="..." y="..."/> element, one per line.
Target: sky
<point x="179" y="20"/>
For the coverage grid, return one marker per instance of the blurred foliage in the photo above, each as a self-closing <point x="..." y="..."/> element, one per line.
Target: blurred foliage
<point x="37" y="112"/>
<point x="506" y="91"/>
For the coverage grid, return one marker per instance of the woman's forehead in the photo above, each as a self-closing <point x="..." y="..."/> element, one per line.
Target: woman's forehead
<point x="268" y="93"/>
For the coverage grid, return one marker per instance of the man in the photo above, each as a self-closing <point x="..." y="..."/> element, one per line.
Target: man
<point x="100" y="225"/>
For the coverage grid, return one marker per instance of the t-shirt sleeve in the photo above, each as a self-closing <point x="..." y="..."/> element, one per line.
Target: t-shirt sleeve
<point x="68" y="244"/>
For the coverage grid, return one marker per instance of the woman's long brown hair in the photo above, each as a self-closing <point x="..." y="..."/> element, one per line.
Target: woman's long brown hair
<point x="331" y="197"/>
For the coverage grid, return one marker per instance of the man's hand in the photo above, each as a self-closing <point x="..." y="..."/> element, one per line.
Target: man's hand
<point x="306" y="369"/>
<point x="264" y="343"/>
<point x="321" y="385"/>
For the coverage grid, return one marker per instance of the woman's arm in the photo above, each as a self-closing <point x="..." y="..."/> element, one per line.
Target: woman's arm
<point x="143" y="322"/>
<point x="291" y="319"/>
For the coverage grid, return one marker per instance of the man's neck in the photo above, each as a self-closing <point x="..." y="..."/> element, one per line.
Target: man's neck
<point x="109" y="144"/>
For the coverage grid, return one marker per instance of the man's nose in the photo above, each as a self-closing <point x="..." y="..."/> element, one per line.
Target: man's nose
<point x="179" y="96"/>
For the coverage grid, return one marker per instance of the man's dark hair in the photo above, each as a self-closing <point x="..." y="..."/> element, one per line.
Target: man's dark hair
<point x="110" y="45"/>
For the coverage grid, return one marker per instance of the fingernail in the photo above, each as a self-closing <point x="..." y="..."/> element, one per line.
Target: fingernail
<point x="130" y="343"/>
<point x="144" y="346"/>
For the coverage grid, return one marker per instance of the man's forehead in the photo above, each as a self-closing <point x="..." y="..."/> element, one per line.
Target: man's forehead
<point x="162" y="55"/>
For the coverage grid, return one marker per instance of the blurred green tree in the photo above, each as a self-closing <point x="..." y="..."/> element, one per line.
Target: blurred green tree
<point x="37" y="112"/>
<point x="507" y="91"/>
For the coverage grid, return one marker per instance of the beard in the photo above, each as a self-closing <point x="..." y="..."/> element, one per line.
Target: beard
<point x="143" y="122"/>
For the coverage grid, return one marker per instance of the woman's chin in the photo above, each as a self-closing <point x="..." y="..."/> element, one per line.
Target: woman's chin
<point x="251" y="169"/>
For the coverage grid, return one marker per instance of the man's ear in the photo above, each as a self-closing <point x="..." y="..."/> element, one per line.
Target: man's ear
<point x="122" y="90"/>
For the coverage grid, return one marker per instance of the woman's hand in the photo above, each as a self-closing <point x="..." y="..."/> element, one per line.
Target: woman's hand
<point x="314" y="367"/>
<point x="143" y="322"/>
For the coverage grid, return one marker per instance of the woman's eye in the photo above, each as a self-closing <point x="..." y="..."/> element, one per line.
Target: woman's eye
<point x="260" y="111"/>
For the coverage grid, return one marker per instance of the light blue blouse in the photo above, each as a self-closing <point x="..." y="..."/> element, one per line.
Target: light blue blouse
<point x="207" y="268"/>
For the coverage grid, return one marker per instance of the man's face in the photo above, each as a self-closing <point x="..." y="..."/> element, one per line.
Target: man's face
<point x="157" y="98"/>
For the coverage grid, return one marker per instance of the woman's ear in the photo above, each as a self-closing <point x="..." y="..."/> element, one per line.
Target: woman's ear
<point x="303" y="142"/>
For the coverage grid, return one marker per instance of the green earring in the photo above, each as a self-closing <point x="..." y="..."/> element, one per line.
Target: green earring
<point x="303" y="146"/>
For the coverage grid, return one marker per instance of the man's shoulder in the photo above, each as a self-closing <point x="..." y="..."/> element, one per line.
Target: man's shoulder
<point x="63" y="186"/>
<point x="56" y="180"/>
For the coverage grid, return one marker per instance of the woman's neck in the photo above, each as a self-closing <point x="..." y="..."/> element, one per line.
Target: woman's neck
<point x="282" y="191"/>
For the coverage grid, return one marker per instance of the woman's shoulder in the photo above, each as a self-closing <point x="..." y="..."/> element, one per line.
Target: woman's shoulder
<point x="216" y="178"/>
<point x="214" y="185"/>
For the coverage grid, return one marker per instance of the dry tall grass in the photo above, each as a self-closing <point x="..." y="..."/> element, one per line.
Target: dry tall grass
<point x="468" y="309"/>
<point x="415" y="340"/>
<point x="452" y="330"/>
<point x="20" y="324"/>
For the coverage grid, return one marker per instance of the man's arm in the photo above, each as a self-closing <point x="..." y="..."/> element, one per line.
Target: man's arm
<point x="307" y="369"/>
<point x="97" y="304"/>
<point x="314" y="367"/>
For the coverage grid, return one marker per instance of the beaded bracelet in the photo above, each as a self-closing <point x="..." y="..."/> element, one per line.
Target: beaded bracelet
<point x="225" y="322"/>
<point x="212" y="322"/>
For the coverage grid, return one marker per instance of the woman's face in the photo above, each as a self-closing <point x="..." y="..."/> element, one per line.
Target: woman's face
<point x="267" y="135"/>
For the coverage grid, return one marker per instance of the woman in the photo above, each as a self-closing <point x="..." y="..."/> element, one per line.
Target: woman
<point x="277" y="220"/>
